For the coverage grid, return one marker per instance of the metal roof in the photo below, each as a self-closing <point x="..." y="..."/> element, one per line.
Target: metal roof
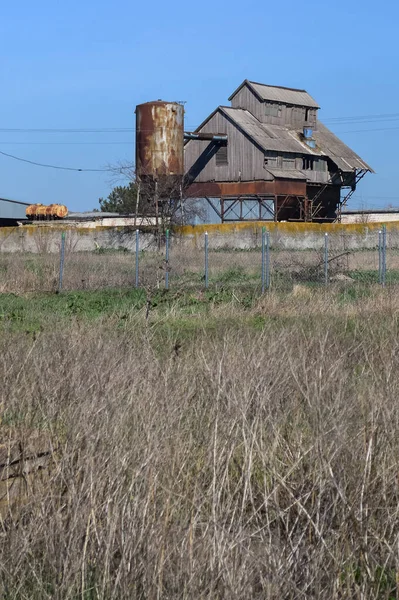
<point x="284" y="139"/>
<point x="283" y="95"/>
<point x="12" y="209"/>
<point x="268" y="137"/>
<point x="340" y="153"/>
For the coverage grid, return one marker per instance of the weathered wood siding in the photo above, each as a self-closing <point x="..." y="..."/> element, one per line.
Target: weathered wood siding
<point x="290" y="115"/>
<point x="245" y="160"/>
<point x="247" y="100"/>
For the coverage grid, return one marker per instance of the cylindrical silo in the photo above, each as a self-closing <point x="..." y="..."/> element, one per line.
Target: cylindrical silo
<point x="159" y="140"/>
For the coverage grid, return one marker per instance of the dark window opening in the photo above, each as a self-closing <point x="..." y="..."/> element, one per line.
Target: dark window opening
<point x="221" y="156"/>
<point x="306" y="114"/>
<point x="307" y="163"/>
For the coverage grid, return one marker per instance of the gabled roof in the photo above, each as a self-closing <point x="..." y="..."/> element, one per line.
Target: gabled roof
<point x="284" y="139"/>
<point x="277" y="138"/>
<point x="275" y="93"/>
<point x="268" y="137"/>
<point x="345" y="158"/>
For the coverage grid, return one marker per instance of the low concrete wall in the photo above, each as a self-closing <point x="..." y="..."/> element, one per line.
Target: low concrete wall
<point x="36" y="239"/>
<point x="289" y="236"/>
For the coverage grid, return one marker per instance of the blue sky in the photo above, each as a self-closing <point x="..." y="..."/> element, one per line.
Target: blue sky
<point x="87" y="64"/>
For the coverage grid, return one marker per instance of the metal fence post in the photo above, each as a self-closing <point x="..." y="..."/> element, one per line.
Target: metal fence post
<point x="167" y="260"/>
<point x="267" y="260"/>
<point x="384" y="254"/>
<point x="62" y="258"/>
<point x="380" y="256"/>
<point x="326" y="259"/>
<point x="137" y="258"/>
<point x="206" y="259"/>
<point x="263" y="258"/>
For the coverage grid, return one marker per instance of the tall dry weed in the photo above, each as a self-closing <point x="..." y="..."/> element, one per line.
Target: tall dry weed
<point x="233" y="465"/>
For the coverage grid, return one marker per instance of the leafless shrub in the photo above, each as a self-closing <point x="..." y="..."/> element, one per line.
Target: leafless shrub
<point x="236" y="465"/>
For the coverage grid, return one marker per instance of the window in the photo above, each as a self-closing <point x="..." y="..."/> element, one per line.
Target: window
<point x="272" y="110"/>
<point x="306" y="115"/>
<point x="307" y="163"/>
<point x="320" y="165"/>
<point x="288" y="162"/>
<point x="221" y="156"/>
<point x="271" y="160"/>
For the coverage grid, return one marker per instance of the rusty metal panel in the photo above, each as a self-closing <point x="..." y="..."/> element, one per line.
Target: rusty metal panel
<point x="159" y="139"/>
<point x="248" y="188"/>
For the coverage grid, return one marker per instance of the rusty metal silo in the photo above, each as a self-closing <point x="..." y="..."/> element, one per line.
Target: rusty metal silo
<point x="159" y="141"/>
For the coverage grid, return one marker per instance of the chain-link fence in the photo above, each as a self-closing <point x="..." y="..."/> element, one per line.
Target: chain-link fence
<point x="211" y="260"/>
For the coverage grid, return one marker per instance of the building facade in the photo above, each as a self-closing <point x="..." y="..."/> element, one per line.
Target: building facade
<point x="270" y="159"/>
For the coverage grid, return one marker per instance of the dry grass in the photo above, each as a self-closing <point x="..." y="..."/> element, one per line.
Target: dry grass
<point x="24" y="272"/>
<point x="256" y="458"/>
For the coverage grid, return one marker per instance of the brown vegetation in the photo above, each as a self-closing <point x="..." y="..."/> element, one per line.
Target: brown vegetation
<point x="238" y="455"/>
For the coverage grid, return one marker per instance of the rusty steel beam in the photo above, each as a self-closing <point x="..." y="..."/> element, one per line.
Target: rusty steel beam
<point x="248" y="188"/>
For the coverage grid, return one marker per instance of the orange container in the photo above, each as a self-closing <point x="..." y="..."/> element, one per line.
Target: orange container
<point x="41" y="211"/>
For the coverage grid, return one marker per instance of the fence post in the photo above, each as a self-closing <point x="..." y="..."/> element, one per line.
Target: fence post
<point x="206" y="259"/>
<point x="62" y="258"/>
<point x="380" y="256"/>
<point x="137" y="258"/>
<point x="167" y="260"/>
<point x="267" y="260"/>
<point x="384" y="254"/>
<point x="263" y="258"/>
<point x="326" y="259"/>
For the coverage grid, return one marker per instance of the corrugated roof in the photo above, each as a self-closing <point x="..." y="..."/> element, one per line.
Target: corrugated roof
<point x="340" y="153"/>
<point x="268" y="137"/>
<point x="287" y="173"/>
<point x="282" y="139"/>
<point x="274" y="93"/>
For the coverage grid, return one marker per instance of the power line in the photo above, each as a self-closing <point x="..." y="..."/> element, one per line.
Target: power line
<point x="68" y="130"/>
<point x="87" y="130"/>
<point x="66" y="143"/>
<point x="366" y="118"/>
<point x="37" y="164"/>
<point x="367" y="130"/>
<point x="333" y="120"/>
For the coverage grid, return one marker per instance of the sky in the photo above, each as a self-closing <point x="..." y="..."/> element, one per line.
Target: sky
<point x="82" y="65"/>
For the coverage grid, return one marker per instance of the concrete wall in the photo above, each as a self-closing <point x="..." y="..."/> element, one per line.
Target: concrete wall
<point x="36" y="239"/>
<point x="295" y="236"/>
<point x="290" y="236"/>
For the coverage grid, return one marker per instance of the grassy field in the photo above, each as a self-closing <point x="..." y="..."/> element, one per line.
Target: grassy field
<point x="215" y="445"/>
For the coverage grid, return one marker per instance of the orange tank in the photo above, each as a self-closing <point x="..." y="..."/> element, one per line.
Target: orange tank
<point x="41" y="211"/>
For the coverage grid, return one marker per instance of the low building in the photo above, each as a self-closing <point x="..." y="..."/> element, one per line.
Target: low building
<point x="11" y="211"/>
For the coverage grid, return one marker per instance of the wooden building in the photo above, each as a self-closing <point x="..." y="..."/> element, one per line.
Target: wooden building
<point x="271" y="159"/>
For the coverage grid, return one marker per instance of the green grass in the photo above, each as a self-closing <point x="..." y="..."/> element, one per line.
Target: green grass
<point x="180" y="315"/>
